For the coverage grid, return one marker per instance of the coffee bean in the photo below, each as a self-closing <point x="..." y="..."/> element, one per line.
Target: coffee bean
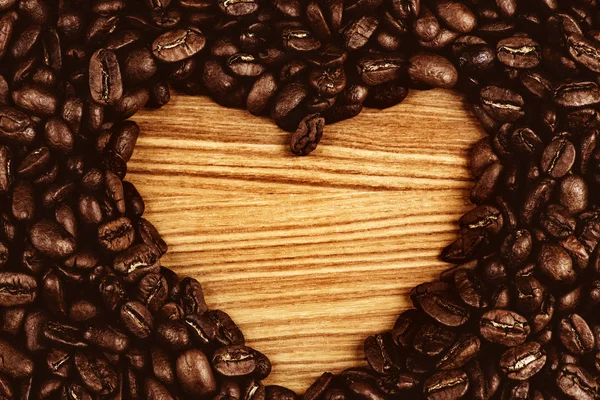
<point x="358" y="32"/>
<point x="439" y="305"/>
<point x="523" y="361"/>
<point x="577" y="94"/>
<point x="178" y="45"/>
<point x="502" y="104"/>
<point x="308" y="135"/>
<point x="235" y="360"/>
<point x="556" y="264"/>
<point x="381" y="353"/>
<point x="63" y="335"/>
<point x="96" y="373"/>
<point x="432" y="70"/>
<point x="446" y="385"/>
<point x="135" y="262"/>
<point x="154" y="390"/>
<point x="576" y="335"/>
<point x="576" y="382"/>
<point x="504" y="327"/>
<point x="107" y="338"/>
<point x="137" y="319"/>
<point x="194" y="373"/>
<point x="14" y="363"/>
<point x="519" y="52"/>
<point x="105" y="79"/>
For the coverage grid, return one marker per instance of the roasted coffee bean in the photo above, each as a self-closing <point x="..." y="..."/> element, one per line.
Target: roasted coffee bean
<point x="358" y="32"/>
<point x="558" y="158"/>
<point x="439" y="305"/>
<point x="576" y="382"/>
<point x="381" y="353"/>
<point x="107" y="338"/>
<point x="150" y="236"/>
<point x="235" y="360"/>
<point x="308" y="135"/>
<point x="162" y="366"/>
<point x="63" y="335"/>
<point x="504" y="327"/>
<point x="426" y="26"/>
<point x="178" y="45"/>
<point x="82" y="311"/>
<point x="192" y="296"/>
<point x="577" y="94"/>
<point x="523" y="361"/>
<point x="135" y="262"/>
<point x="105" y="79"/>
<point x="576" y="335"/>
<point x="502" y="104"/>
<point x="446" y="385"/>
<point x="15" y="126"/>
<point x="432" y="70"/>
<point x="154" y="390"/>
<point x="137" y="319"/>
<point x="96" y="373"/>
<point x="194" y="373"/>
<point x="519" y="52"/>
<point x="556" y="264"/>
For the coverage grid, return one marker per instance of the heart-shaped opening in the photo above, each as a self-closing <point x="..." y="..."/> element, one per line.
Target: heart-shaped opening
<point x="308" y="255"/>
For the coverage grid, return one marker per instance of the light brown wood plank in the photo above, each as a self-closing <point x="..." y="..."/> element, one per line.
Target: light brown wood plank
<point x="308" y="255"/>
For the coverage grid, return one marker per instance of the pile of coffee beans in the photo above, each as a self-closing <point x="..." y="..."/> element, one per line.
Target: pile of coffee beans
<point x="88" y="312"/>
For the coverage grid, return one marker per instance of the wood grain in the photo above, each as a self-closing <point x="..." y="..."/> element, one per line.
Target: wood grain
<point x="308" y="255"/>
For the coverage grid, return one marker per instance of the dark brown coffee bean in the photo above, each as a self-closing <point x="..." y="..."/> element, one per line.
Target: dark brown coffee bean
<point x="23" y="201"/>
<point x="519" y="52"/>
<point x="557" y="221"/>
<point x="162" y="366"/>
<point x="379" y="68"/>
<point x="117" y="235"/>
<point x="178" y="45"/>
<point x="261" y="94"/>
<point x="577" y="94"/>
<point x="137" y="319"/>
<point x="439" y="304"/>
<point x="556" y="264"/>
<point x="51" y="239"/>
<point x="358" y="32"/>
<point x="432" y="70"/>
<point x="235" y="360"/>
<point x="558" y="158"/>
<point x="461" y="352"/>
<point x="502" y="104"/>
<point x="504" y="327"/>
<point x="380" y="353"/>
<point x="584" y="51"/>
<point x="135" y="262"/>
<point x="105" y="80"/>
<point x="107" y="338"/>
<point x="576" y="382"/>
<point x="82" y="311"/>
<point x="308" y="135"/>
<point x="63" y="335"/>
<point x="14" y="363"/>
<point x="154" y="390"/>
<point x="523" y="361"/>
<point x="446" y="385"/>
<point x="576" y="335"/>
<point x="149" y="235"/>
<point x="194" y="373"/>
<point x="59" y="362"/>
<point x="16" y="126"/>
<point x="426" y="26"/>
<point x="96" y="373"/>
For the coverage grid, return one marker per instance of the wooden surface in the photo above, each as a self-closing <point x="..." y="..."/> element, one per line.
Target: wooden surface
<point x="308" y="255"/>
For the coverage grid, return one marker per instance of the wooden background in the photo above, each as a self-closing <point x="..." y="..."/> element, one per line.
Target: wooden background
<point x="308" y="255"/>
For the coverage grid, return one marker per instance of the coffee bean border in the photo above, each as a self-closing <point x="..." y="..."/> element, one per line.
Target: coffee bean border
<point x="88" y="312"/>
